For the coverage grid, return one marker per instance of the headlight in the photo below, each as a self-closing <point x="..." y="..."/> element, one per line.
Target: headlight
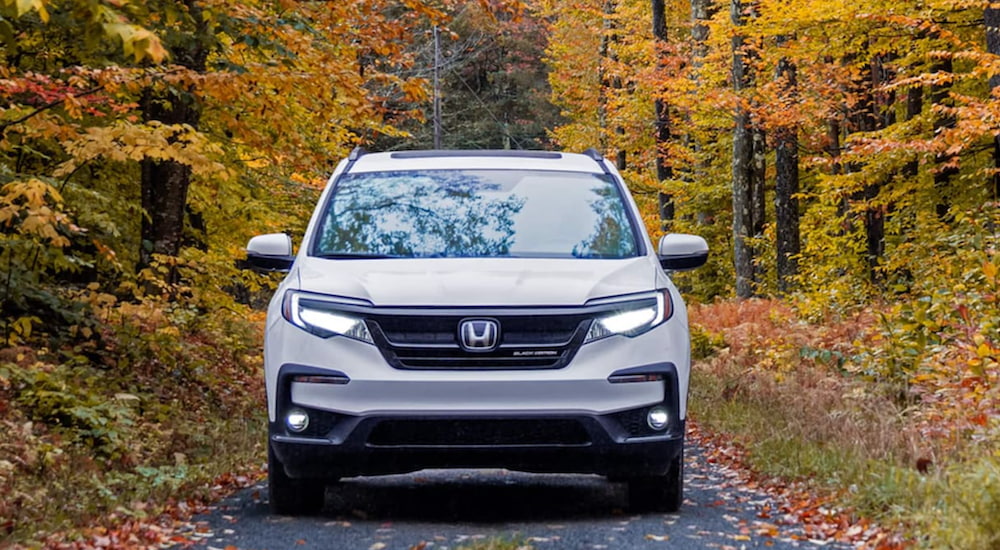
<point x="322" y="317"/>
<point x="635" y="318"/>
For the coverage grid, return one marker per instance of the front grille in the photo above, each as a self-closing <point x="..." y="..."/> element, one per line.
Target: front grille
<point x="432" y="341"/>
<point x="518" y="330"/>
<point x="457" y="358"/>
<point x="478" y="433"/>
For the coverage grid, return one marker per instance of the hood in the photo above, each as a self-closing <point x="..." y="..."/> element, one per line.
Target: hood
<point x="475" y="281"/>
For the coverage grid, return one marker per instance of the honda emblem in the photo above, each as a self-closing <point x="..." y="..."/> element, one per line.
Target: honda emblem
<point x="479" y="334"/>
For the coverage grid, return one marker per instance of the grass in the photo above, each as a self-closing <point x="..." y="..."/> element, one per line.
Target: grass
<point x="74" y="490"/>
<point x="147" y="419"/>
<point x="803" y="416"/>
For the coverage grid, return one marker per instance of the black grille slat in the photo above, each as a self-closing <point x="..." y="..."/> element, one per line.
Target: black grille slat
<point x="403" y="331"/>
<point x="431" y="341"/>
<point x="549" y="330"/>
<point x="477" y="362"/>
<point x="480" y="358"/>
<point x="422" y="339"/>
<point x="478" y="433"/>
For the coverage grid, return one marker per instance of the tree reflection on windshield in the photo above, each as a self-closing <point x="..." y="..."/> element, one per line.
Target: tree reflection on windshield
<point x="612" y="236"/>
<point x="475" y="213"/>
<point x="413" y="214"/>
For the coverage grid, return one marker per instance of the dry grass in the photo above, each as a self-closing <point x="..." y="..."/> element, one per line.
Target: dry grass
<point x="802" y="400"/>
<point x="156" y="419"/>
<point x="792" y="373"/>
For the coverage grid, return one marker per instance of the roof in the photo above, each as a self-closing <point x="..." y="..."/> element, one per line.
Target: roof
<point x="478" y="159"/>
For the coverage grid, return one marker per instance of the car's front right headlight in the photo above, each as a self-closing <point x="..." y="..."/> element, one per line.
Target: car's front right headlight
<point x="322" y="317"/>
<point x="633" y="318"/>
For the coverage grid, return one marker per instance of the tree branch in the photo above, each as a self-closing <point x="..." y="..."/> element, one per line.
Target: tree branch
<point x="46" y="107"/>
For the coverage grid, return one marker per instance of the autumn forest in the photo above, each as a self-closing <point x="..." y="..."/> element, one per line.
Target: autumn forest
<point x="842" y="159"/>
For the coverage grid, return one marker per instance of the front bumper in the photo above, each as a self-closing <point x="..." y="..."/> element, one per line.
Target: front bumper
<point x="592" y="444"/>
<point x="375" y="387"/>
<point x="617" y="444"/>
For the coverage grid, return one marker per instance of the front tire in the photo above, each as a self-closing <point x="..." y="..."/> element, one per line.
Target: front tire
<point x="659" y="493"/>
<point x="288" y="496"/>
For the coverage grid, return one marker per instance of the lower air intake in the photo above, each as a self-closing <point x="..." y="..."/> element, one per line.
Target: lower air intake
<point x="478" y="433"/>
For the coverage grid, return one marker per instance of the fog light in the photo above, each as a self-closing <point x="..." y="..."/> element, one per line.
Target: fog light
<point x="657" y="418"/>
<point x="297" y="420"/>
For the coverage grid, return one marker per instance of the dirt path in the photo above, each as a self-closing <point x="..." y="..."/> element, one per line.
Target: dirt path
<point x="446" y="509"/>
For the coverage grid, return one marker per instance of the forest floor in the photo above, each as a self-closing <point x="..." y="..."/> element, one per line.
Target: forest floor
<point x="163" y="417"/>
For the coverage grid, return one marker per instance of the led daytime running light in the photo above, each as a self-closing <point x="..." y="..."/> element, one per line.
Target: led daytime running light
<point x="631" y="322"/>
<point x="323" y="322"/>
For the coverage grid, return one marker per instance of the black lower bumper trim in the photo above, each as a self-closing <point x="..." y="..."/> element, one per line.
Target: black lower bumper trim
<point x="472" y="432"/>
<point x="597" y="444"/>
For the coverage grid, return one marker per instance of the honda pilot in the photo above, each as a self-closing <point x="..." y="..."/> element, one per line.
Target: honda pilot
<point x="476" y="309"/>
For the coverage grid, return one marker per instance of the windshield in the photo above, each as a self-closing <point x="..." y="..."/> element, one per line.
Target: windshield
<point x="475" y="213"/>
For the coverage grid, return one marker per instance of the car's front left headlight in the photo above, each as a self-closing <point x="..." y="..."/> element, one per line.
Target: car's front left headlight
<point x="634" y="318"/>
<point x="322" y="317"/>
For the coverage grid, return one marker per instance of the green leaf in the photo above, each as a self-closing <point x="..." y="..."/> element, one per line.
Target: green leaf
<point x="25" y="6"/>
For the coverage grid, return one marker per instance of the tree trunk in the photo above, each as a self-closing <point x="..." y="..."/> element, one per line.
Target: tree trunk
<point x="914" y="106"/>
<point x="786" y="205"/>
<point x="945" y="170"/>
<point x="883" y="115"/>
<point x="758" y="168"/>
<point x="612" y="83"/>
<point x="758" y="198"/>
<point x="867" y="116"/>
<point x="164" y="184"/>
<point x="664" y="171"/>
<point x="701" y="13"/>
<point x="742" y="167"/>
<point x="874" y="233"/>
<point x="991" y="19"/>
<point x="907" y="219"/>
<point x="605" y="55"/>
<point x="742" y="208"/>
<point x="832" y="147"/>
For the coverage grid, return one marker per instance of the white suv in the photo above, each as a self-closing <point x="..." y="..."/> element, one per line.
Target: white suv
<point x="454" y="309"/>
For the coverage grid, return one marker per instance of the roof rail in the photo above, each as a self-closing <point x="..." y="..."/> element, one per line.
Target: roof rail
<point x="356" y="153"/>
<point x="352" y="158"/>
<point x="444" y="153"/>
<point x="598" y="158"/>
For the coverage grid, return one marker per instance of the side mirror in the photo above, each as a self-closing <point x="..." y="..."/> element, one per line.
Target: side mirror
<point x="681" y="252"/>
<point x="271" y="252"/>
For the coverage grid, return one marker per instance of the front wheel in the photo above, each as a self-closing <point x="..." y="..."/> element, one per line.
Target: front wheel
<point x="658" y="493"/>
<point x="291" y="497"/>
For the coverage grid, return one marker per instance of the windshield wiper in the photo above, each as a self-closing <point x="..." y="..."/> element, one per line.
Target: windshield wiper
<point x="354" y="256"/>
<point x="443" y="255"/>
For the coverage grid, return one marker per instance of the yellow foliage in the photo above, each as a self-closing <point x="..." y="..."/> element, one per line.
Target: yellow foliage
<point x="137" y="42"/>
<point x="24" y="205"/>
<point x="132" y="142"/>
<point x="25" y="6"/>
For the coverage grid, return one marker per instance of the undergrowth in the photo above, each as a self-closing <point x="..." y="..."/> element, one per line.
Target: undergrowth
<point x="917" y="447"/>
<point x="149" y="408"/>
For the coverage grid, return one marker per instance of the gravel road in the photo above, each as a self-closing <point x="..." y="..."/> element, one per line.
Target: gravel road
<point x="445" y="509"/>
